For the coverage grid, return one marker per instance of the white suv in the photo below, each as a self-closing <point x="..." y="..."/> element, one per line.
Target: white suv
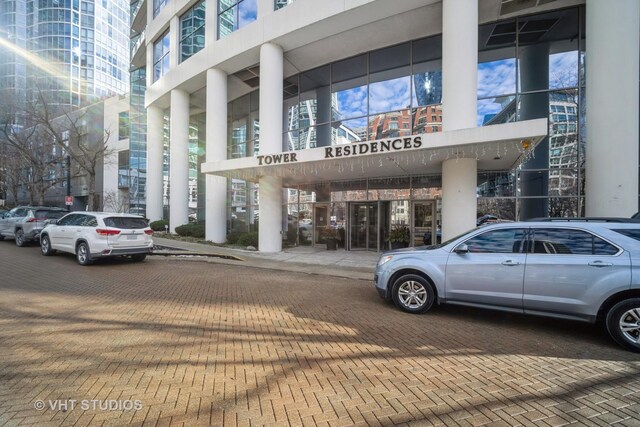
<point x="92" y="235"/>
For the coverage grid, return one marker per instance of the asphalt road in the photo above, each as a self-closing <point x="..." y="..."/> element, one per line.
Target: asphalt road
<point x="185" y="342"/>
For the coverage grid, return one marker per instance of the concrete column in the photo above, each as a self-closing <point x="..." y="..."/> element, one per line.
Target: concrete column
<point x="155" y="166"/>
<point x="534" y="66"/>
<point x="459" y="64"/>
<point x="174" y="42"/>
<point x="459" y="111"/>
<point x="459" y="201"/>
<point x="179" y="160"/>
<point x="270" y="204"/>
<point x="216" y="150"/>
<point x="271" y="105"/>
<point x="613" y="46"/>
<point x="211" y="22"/>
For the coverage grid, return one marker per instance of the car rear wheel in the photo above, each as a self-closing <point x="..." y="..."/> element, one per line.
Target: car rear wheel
<point x="45" y="246"/>
<point x="20" y="241"/>
<point x="139" y="257"/>
<point x="413" y="293"/>
<point x="623" y="323"/>
<point x="82" y="254"/>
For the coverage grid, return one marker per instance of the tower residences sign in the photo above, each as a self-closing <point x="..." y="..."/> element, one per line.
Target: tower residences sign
<point x="349" y="150"/>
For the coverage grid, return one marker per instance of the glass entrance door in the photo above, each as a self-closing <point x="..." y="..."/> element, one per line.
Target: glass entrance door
<point x="363" y="226"/>
<point x="320" y="221"/>
<point x="424" y="223"/>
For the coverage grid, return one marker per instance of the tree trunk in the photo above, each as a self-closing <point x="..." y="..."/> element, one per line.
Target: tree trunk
<point x="92" y="191"/>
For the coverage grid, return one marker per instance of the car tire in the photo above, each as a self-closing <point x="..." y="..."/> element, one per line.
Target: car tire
<point x="413" y="294"/>
<point x="20" y="240"/>
<point x="45" y="246"/>
<point x="83" y="255"/>
<point x="623" y="324"/>
<point x="138" y="257"/>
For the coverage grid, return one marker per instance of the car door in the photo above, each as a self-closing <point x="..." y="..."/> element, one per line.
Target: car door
<point x="60" y="233"/>
<point x="491" y="272"/>
<point x="570" y="270"/>
<point x="7" y="224"/>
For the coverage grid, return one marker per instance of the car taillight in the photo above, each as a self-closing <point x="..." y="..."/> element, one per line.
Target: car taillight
<point x="149" y="232"/>
<point x="103" y="232"/>
<point x="31" y="220"/>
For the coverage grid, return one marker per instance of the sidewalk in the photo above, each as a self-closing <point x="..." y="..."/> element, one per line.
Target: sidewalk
<point x="304" y="259"/>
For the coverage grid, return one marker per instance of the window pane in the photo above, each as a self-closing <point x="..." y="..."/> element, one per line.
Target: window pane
<point x="315" y="97"/>
<point x="247" y="12"/>
<point x="498" y="110"/>
<point x="427" y="119"/>
<point x="390" y="125"/>
<point x="391" y="94"/>
<point x="348" y="131"/>
<point x="497" y="241"/>
<point x="225" y="4"/>
<point x="560" y="241"/>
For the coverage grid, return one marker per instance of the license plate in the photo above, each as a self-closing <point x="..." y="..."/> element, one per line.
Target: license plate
<point x="132" y="237"/>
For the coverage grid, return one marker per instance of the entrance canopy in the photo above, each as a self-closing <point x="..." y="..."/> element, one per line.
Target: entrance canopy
<point x="496" y="147"/>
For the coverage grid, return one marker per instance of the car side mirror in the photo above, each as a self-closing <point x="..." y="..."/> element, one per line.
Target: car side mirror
<point x="461" y="249"/>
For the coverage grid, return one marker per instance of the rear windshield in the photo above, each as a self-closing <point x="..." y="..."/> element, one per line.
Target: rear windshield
<point x="127" y="223"/>
<point x="49" y="214"/>
<point x="634" y="233"/>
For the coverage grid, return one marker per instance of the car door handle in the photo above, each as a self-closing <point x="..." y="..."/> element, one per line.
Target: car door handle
<point x="510" y="263"/>
<point x="600" y="264"/>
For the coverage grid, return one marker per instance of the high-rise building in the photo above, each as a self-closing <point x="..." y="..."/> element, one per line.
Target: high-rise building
<point x="72" y="52"/>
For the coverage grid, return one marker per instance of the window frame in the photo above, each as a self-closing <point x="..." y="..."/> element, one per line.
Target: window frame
<point x="532" y="239"/>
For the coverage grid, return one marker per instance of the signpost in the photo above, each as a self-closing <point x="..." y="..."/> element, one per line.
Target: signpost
<point x="68" y="200"/>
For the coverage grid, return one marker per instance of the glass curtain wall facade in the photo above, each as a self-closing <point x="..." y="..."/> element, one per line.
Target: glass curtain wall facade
<point x="533" y="67"/>
<point x="192" y="31"/>
<point x="530" y="67"/>
<point x="137" y="177"/>
<point x="386" y="93"/>
<point x="13" y="72"/>
<point x="235" y="14"/>
<point x="85" y="42"/>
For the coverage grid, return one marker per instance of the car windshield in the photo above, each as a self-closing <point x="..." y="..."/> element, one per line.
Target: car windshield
<point x="126" y="222"/>
<point x="42" y="214"/>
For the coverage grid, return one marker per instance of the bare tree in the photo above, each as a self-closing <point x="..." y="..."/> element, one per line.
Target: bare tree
<point x="58" y="133"/>
<point x="32" y="160"/>
<point x="116" y="202"/>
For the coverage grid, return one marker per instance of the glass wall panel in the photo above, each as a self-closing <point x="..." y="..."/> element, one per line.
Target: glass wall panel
<point x="349" y="88"/>
<point x="427" y="119"/>
<point x="501" y="208"/>
<point x="192" y="31"/>
<point x="390" y="125"/>
<point x="244" y="127"/>
<point x="496" y="184"/>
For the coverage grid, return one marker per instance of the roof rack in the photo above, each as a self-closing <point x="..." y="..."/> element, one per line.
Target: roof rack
<point x="586" y="219"/>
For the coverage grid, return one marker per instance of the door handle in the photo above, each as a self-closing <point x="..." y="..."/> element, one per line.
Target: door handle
<point x="510" y="263"/>
<point x="600" y="264"/>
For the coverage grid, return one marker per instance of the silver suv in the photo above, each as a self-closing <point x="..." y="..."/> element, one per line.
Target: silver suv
<point x="586" y="270"/>
<point x="25" y="223"/>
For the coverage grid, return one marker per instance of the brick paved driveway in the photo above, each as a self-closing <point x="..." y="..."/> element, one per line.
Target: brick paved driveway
<point x="200" y="343"/>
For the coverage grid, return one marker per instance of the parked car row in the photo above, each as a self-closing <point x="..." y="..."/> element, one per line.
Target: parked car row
<point x="579" y="269"/>
<point x="87" y="235"/>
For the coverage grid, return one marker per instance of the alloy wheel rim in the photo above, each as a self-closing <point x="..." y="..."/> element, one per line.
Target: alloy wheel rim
<point x="82" y="253"/>
<point x="45" y="245"/>
<point x="412" y="294"/>
<point x="630" y="325"/>
<point x="19" y="238"/>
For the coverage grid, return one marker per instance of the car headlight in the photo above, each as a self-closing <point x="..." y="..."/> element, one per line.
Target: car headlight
<point x="384" y="259"/>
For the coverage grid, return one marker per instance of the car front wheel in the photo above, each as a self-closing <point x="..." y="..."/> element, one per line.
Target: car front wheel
<point x="138" y="257"/>
<point x="45" y="246"/>
<point x="413" y="293"/>
<point x="82" y="254"/>
<point x="623" y="323"/>
<point x="20" y="238"/>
